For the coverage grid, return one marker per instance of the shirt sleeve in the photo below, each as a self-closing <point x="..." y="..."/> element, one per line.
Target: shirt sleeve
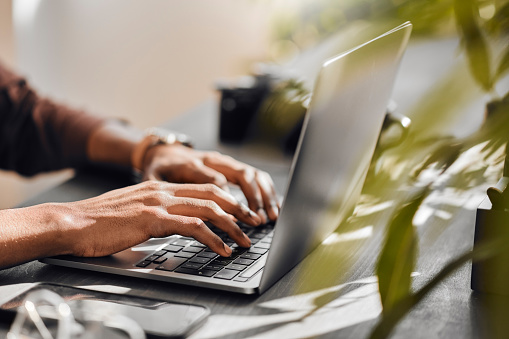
<point x="37" y="134"/>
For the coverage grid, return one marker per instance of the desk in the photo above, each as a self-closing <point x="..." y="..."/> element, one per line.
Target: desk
<point x="446" y="225"/>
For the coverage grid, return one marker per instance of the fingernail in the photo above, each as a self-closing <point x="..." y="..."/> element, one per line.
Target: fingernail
<point x="247" y="240"/>
<point x="228" y="250"/>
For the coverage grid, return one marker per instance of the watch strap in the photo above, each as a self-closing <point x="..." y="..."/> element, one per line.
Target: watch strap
<point x="154" y="137"/>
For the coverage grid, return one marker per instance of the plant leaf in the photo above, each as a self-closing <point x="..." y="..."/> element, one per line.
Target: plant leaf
<point x="390" y="319"/>
<point x="467" y="16"/>
<point x="398" y="255"/>
<point x="504" y="65"/>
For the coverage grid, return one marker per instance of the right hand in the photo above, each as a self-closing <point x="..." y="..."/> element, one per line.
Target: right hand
<point x="122" y="218"/>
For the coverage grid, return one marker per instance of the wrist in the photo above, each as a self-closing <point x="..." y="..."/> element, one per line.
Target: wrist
<point x="55" y="223"/>
<point x="31" y="233"/>
<point x="155" y="137"/>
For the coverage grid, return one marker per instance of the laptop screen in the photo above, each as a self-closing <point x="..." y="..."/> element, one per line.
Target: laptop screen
<point x="335" y="148"/>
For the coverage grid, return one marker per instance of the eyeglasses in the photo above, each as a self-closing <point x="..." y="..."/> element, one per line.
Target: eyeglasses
<point x="45" y="314"/>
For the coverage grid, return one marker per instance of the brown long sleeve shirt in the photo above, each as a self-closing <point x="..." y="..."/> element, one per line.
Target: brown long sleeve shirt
<point x="36" y="134"/>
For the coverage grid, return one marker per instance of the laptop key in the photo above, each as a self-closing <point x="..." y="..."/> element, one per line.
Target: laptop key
<point x="160" y="260"/>
<point x="252" y="256"/>
<point x="159" y="253"/>
<point x="192" y="249"/>
<point x="200" y="260"/>
<point x="186" y="238"/>
<point x="172" y="248"/>
<point x="236" y="267"/>
<point x="180" y="242"/>
<point x="226" y="274"/>
<point x="257" y="250"/>
<point x="240" y="279"/>
<point x="192" y="265"/>
<point x="241" y="261"/>
<point x="252" y="270"/>
<point x="222" y="261"/>
<point x="207" y="255"/>
<point x="197" y="244"/>
<point x="171" y="264"/>
<point x="236" y="251"/>
<point x="263" y="245"/>
<point x="152" y="258"/>
<point x="185" y="255"/>
<point x="203" y="273"/>
<point x="213" y="267"/>
<point x="143" y="263"/>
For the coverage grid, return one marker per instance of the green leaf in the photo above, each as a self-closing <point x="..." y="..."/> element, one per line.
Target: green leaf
<point x="467" y="17"/>
<point x="504" y="64"/>
<point x="390" y="319"/>
<point x="398" y="255"/>
<point x="499" y="23"/>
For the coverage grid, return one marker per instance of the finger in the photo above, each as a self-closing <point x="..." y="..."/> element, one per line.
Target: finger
<point x="208" y="210"/>
<point x="224" y="199"/>
<point x="242" y="175"/>
<point x="201" y="174"/>
<point x="196" y="228"/>
<point x="253" y="193"/>
<point x="269" y="194"/>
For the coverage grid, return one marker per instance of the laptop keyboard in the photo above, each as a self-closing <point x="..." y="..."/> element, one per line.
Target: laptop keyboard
<point x="188" y="256"/>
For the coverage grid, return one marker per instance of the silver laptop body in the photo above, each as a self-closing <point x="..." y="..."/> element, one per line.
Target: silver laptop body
<point x="327" y="174"/>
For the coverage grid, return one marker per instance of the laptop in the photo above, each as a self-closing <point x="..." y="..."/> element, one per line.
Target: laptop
<point x="328" y="171"/>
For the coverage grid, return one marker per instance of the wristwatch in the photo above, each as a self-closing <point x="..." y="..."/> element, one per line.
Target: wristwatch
<point x="153" y="137"/>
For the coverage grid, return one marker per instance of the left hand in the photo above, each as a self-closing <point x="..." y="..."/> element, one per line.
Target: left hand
<point x="181" y="164"/>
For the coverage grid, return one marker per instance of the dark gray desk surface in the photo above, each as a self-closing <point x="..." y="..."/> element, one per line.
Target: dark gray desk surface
<point x="285" y="311"/>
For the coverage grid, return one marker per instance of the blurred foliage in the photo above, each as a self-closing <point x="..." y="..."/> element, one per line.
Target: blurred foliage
<point x="397" y="260"/>
<point x="482" y="27"/>
<point x="481" y="24"/>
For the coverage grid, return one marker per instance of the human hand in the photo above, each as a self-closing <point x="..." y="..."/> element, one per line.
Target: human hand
<point x="177" y="163"/>
<point x="122" y="218"/>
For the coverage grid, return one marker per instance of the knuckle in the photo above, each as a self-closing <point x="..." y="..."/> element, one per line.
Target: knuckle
<point x="152" y="212"/>
<point x="262" y="174"/>
<point x="212" y="154"/>
<point x="155" y="185"/>
<point x="214" y="207"/>
<point x="221" y="180"/>
<point x="247" y="172"/>
<point x="159" y="196"/>
<point x="195" y="163"/>
<point x="196" y="225"/>
<point x="211" y="188"/>
<point x="151" y="184"/>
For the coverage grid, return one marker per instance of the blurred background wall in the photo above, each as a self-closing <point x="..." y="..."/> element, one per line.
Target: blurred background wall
<point x="146" y="61"/>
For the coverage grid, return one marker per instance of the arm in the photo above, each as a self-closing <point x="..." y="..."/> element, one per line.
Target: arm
<point x="38" y="135"/>
<point x="48" y="136"/>
<point x="121" y="219"/>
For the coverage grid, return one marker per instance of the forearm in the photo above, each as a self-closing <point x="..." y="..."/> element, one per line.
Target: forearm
<point x="31" y="233"/>
<point x="113" y="143"/>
